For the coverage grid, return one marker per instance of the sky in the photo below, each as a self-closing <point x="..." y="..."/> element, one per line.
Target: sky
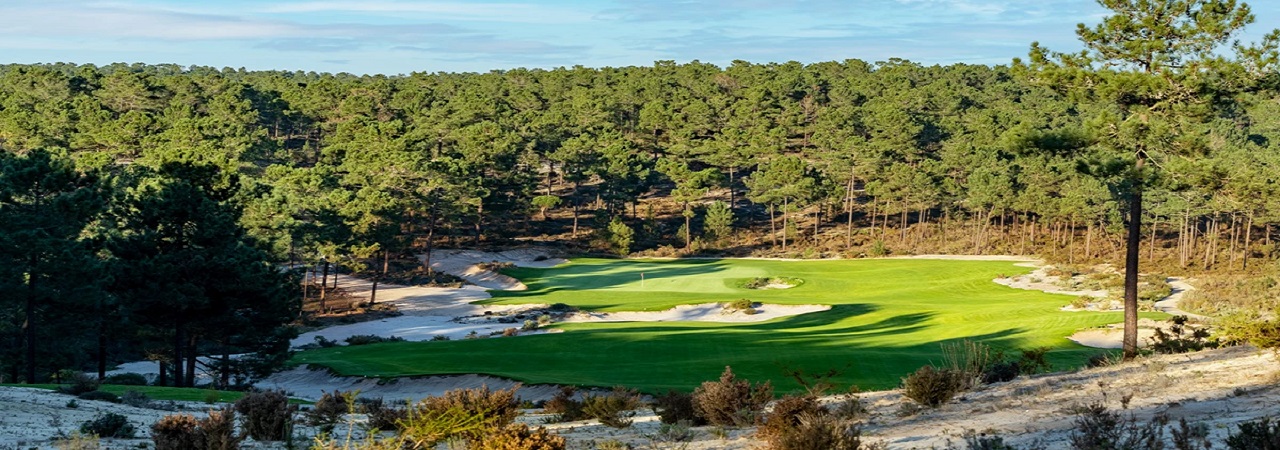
<point x="403" y="36"/>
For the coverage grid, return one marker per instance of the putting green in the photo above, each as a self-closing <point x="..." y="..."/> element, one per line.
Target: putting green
<point x="888" y="317"/>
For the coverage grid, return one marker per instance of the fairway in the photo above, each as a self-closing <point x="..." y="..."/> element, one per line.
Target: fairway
<point x="888" y="318"/>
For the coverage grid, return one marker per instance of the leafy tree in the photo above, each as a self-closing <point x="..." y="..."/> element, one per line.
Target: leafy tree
<point x="1155" y="67"/>
<point x="47" y="261"/>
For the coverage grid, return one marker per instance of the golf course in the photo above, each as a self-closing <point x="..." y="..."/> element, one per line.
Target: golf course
<point x="887" y="317"/>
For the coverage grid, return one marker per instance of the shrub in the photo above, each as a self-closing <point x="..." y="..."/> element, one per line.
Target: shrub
<point x="176" y="432"/>
<point x="731" y="401"/>
<point x="931" y="386"/>
<point x="1192" y="437"/>
<point x="975" y="441"/>
<point x="366" y="339"/>
<point x="325" y="342"/>
<point x="78" y="441"/>
<point x="564" y="406"/>
<point x="785" y="415"/>
<point x="328" y="410"/>
<point x="267" y="415"/>
<point x="817" y="431"/>
<point x="681" y="431"/>
<point x="136" y="399"/>
<point x="968" y="360"/>
<point x="1000" y="372"/>
<point x="383" y="416"/>
<point x="676" y="407"/>
<point x="519" y="437"/>
<point x="1262" y="434"/>
<point x="1181" y="338"/>
<point x="126" y="379"/>
<point x="740" y="304"/>
<point x="425" y="427"/>
<point x="1100" y="429"/>
<point x="1251" y="327"/>
<point x="79" y="383"/>
<point x="99" y="396"/>
<point x="1032" y="361"/>
<point x="219" y="430"/>
<point x="495" y="409"/>
<point x="614" y="409"/>
<point x="109" y="425"/>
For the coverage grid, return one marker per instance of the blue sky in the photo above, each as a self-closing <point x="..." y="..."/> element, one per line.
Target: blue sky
<point x="403" y="36"/>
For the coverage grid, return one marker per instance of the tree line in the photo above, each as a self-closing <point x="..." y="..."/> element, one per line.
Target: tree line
<point x="838" y="155"/>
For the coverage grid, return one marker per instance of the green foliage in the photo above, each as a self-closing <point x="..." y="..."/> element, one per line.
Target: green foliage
<point x="1261" y="434"/>
<point x="268" y="416"/>
<point x="676" y="407"/>
<point x="1250" y="327"/>
<point x="99" y="396"/>
<point x="382" y="415"/>
<point x="731" y="401"/>
<point x="366" y="339"/>
<point x="80" y="383"/>
<point x="109" y="425"/>
<point x="329" y="409"/>
<point x="1096" y="428"/>
<point x="126" y="379"/>
<point x="614" y="409"/>
<point x="718" y="224"/>
<point x="520" y="437"/>
<point x="467" y="413"/>
<point x="931" y="386"/>
<point x="620" y="237"/>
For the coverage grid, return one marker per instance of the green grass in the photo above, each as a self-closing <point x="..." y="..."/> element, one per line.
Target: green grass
<point x="889" y="317"/>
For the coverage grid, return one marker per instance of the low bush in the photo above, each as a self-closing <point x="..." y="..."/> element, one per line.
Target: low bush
<point x="675" y="407"/>
<point x="328" y="410"/>
<point x="519" y="437"/>
<point x="109" y="425"/>
<point x="366" y="339"/>
<point x="1181" y="338"/>
<point x="136" y="399"/>
<point x="126" y="379"/>
<point x="1096" y="428"/>
<point x="785" y="415"/>
<point x="818" y="431"/>
<point x="99" y="396"/>
<point x="740" y="304"/>
<point x="495" y="409"/>
<point x="1262" y="434"/>
<point x="614" y="409"/>
<point x="1249" y="327"/>
<point x="1032" y="361"/>
<point x="681" y="431"/>
<point x="932" y="387"/>
<point x="219" y="430"/>
<point x="730" y="401"/>
<point x="975" y="441"/>
<point x="79" y="383"/>
<point x="383" y="416"/>
<point x="564" y="406"/>
<point x="177" y="432"/>
<point x="267" y="415"/>
<point x="1000" y="372"/>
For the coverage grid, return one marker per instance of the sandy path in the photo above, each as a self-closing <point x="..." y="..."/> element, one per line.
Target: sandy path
<point x="1169" y="304"/>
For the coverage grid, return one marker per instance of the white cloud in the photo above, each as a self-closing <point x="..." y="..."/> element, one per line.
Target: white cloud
<point x="469" y="11"/>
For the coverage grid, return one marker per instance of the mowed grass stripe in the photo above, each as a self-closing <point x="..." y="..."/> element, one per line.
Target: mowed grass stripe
<point x="888" y="318"/>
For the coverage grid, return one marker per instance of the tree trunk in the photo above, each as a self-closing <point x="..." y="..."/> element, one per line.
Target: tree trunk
<point x="163" y="378"/>
<point x="848" y="198"/>
<point x="191" y="362"/>
<point x="226" y="368"/>
<point x="29" y="324"/>
<point x="178" y="352"/>
<point x="324" y="283"/>
<point x="1130" y="340"/>
<point x="1248" y="233"/>
<point x="773" y="227"/>
<point x="785" y="209"/>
